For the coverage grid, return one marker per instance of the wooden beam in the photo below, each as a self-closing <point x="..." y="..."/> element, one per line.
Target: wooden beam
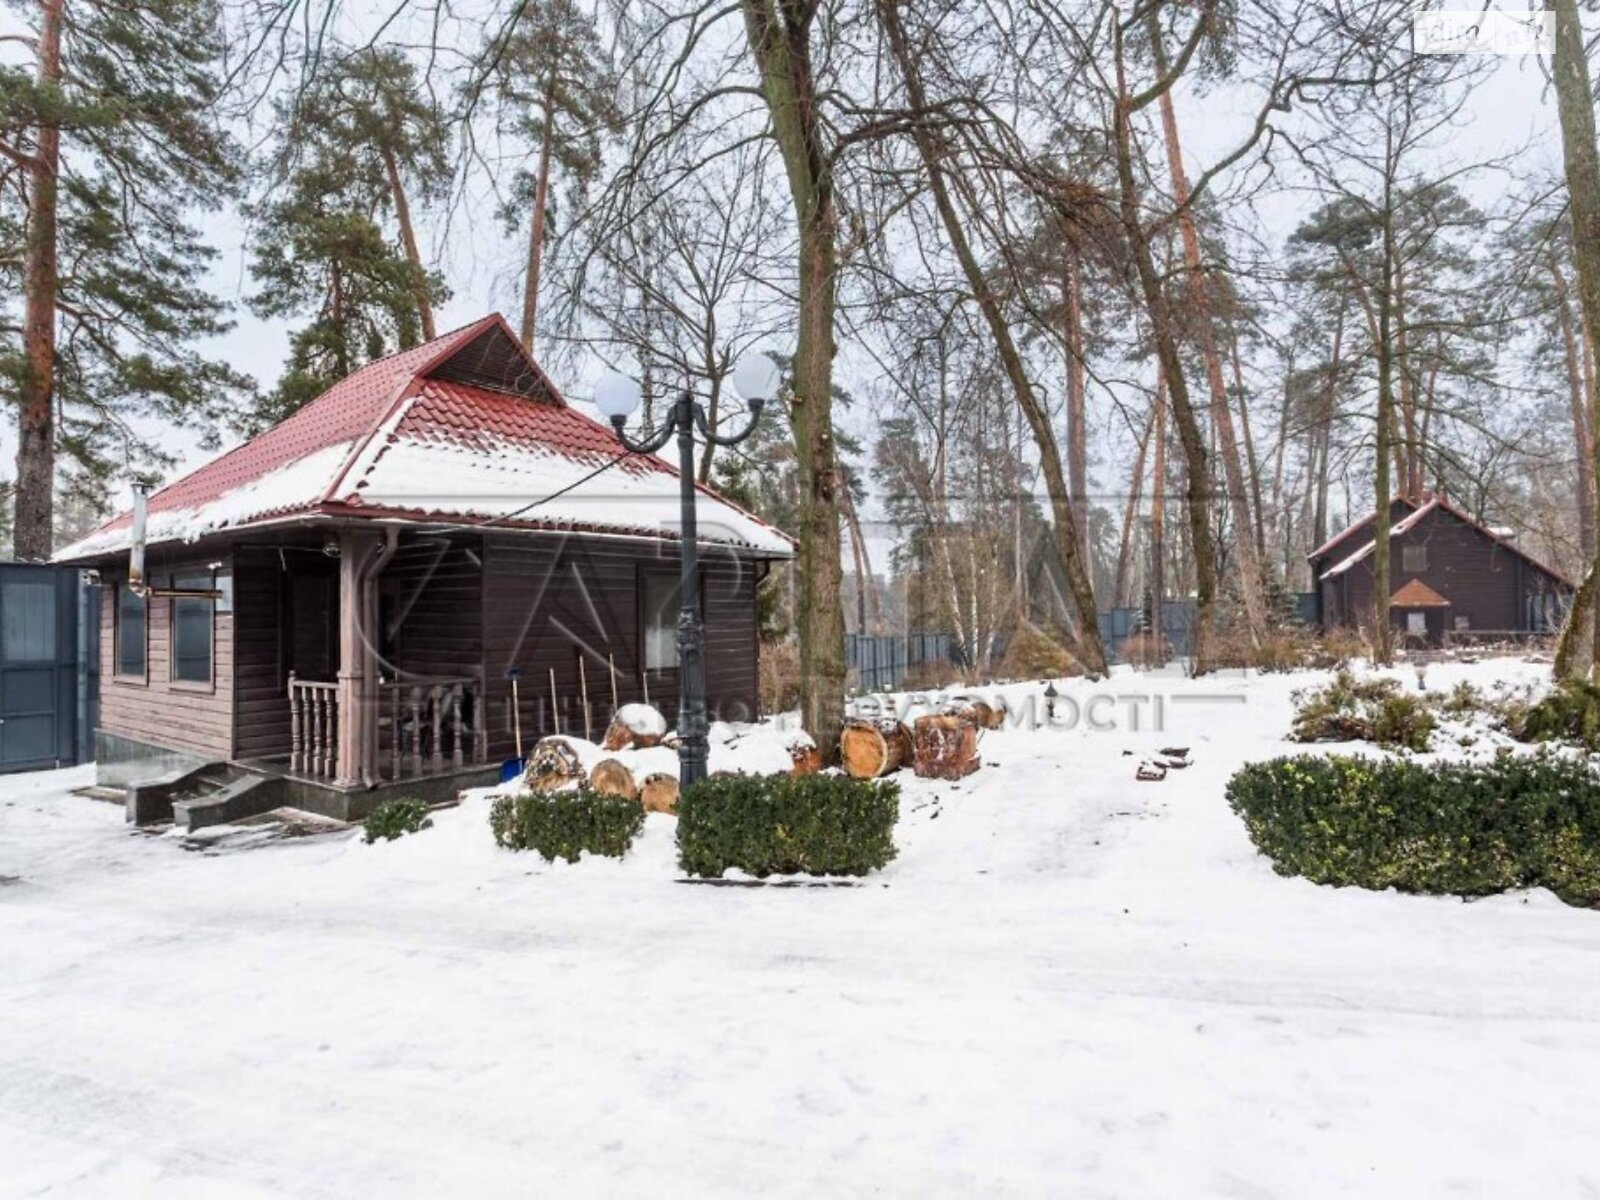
<point x="361" y="552"/>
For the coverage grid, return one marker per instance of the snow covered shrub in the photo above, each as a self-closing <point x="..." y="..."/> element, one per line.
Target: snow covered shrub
<point x="392" y="818"/>
<point x="566" y="824"/>
<point x="1362" y="710"/>
<point x="1570" y="713"/>
<point x="777" y="825"/>
<point x="1467" y="829"/>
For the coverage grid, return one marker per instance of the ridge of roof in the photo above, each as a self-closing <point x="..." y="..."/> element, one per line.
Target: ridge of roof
<point x="1353" y="527"/>
<point x="1438" y="503"/>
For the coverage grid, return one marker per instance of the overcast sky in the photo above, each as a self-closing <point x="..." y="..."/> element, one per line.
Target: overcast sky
<point x="1508" y="111"/>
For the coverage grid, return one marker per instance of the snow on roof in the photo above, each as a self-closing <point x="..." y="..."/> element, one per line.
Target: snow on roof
<point x="1408" y="522"/>
<point x="1353" y="527"/>
<point x="496" y="471"/>
<point x="429" y="434"/>
<point x="295" y="486"/>
<point x="1414" y="518"/>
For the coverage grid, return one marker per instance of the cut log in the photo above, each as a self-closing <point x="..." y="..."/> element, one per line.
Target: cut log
<point x="660" y="793"/>
<point x="634" y="726"/>
<point x="944" y="747"/>
<point x="613" y="777"/>
<point x="872" y="748"/>
<point x="554" y="764"/>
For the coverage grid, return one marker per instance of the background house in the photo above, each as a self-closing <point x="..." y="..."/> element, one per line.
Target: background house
<point x="1449" y="577"/>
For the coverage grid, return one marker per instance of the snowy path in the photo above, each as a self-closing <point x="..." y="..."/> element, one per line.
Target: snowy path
<point x="1067" y="984"/>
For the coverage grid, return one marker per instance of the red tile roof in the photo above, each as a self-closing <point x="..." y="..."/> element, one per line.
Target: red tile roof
<point x="390" y="402"/>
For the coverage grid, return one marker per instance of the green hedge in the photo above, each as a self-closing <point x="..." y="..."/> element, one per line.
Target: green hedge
<point x="777" y="825"/>
<point x="1455" y="828"/>
<point x="566" y="824"/>
<point x="392" y="818"/>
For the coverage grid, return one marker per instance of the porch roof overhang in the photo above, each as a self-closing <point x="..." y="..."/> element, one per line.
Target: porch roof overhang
<point x="1417" y="594"/>
<point x="297" y="527"/>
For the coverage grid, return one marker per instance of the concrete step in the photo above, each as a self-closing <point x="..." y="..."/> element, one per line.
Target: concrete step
<point x="231" y="796"/>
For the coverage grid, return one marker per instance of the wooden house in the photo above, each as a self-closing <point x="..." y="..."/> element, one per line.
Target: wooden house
<point x="385" y="561"/>
<point x="1451" y="578"/>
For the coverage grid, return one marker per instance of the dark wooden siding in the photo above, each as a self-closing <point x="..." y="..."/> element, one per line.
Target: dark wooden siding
<point x="459" y="604"/>
<point x="185" y="716"/>
<point x="432" y="602"/>
<point x="550" y="600"/>
<point x="1486" y="582"/>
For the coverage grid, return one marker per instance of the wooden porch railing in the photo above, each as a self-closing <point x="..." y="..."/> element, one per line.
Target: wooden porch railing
<point x="426" y="728"/>
<point x="313" y="727"/>
<point x="432" y="726"/>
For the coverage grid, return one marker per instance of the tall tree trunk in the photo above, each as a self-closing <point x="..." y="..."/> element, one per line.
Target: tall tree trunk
<point x="33" y="521"/>
<point x="1130" y="510"/>
<point x="1251" y="462"/>
<point x="1577" y="395"/>
<point x="1251" y="587"/>
<point x="541" y="193"/>
<point x="408" y="238"/>
<point x="1077" y="406"/>
<point x="867" y="602"/>
<point x="1158" y="526"/>
<point x="1575" y="102"/>
<point x="1069" y="542"/>
<point x="782" y="50"/>
<point x="1382" y="634"/>
<point x="1408" y="454"/>
<point x="344" y="361"/>
<point x="1164" y="334"/>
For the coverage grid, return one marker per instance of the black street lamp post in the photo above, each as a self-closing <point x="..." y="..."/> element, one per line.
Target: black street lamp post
<point x="617" y="397"/>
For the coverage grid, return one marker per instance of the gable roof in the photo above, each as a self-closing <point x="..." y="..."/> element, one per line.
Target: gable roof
<point x="1417" y="594"/>
<point x="1434" y="503"/>
<point x="1354" y="527"/>
<point x="467" y="430"/>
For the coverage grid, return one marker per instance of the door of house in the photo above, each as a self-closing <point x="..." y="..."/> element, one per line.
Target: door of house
<point x="38" y="666"/>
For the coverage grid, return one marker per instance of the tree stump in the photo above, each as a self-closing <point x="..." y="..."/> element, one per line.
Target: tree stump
<point x="554" y="764"/>
<point x="873" y="748"/>
<point x="613" y="777"/>
<point x="634" y="726"/>
<point x="944" y="747"/>
<point x="660" y="793"/>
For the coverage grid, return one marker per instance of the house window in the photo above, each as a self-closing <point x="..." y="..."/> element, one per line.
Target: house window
<point x="193" y="622"/>
<point x="1414" y="559"/>
<point x="1417" y="624"/>
<point x="130" y="632"/>
<point x="1463" y="621"/>
<point x="660" y="595"/>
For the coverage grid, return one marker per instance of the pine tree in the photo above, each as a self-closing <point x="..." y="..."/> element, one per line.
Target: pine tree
<point x="347" y="150"/>
<point x="109" y="139"/>
<point x="553" y="86"/>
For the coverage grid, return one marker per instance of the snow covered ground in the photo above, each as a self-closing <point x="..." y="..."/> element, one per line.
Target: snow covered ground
<point x="1068" y="983"/>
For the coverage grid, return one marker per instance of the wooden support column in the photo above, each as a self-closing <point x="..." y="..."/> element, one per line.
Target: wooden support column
<point x="361" y="553"/>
